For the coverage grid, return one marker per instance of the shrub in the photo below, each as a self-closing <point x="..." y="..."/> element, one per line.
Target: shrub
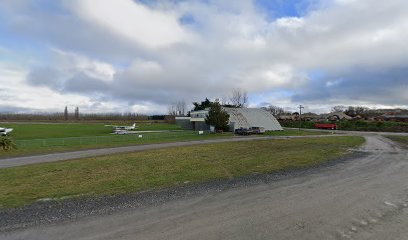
<point x="7" y="143"/>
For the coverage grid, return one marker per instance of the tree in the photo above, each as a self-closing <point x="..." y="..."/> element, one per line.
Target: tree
<point x="275" y="110"/>
<point x="181" y="107"/>
<point x="217" y="117"/>
<point x="203" y="105"/>
<point x="339" y="108"/>
<point x="178" y="108"/>
<point x="239" y="98"/>
<point x="66" y="113"/>
<point x="77" y="113"/>
<point x="357" y="110"/>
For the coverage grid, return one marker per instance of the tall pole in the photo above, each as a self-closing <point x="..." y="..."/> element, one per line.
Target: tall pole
<point x="300" y="116"/>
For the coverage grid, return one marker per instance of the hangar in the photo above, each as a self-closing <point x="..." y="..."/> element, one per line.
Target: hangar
<point x="252" y="117"/>
<point x="239" y="118"/>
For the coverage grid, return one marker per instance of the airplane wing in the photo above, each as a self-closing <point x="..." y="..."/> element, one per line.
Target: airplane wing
<point x="5" y="131"/>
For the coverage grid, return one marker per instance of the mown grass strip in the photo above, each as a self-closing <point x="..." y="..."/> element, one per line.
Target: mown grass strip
<point x="156" y="169"/>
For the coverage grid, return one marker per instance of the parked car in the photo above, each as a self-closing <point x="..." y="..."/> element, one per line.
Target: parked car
<point x="243" y="131"/>
<point x="258" y="130"/>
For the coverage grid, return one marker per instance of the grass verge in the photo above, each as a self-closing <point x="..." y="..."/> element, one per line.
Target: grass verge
<point x="399" y="139"/>
<point x="155" y="169"/>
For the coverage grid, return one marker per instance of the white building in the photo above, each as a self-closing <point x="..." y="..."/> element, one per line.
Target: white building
<point x="252" y="117"/>
<point x="239" y="118"/>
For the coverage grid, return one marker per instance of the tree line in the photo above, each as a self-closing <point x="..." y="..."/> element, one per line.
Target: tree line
<point x="75" y="116"/>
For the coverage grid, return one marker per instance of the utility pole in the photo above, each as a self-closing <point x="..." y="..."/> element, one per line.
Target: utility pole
<point x="300" y="116"/>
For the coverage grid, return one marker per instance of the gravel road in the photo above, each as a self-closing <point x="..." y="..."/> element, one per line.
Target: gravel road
<point x="53" y="157"/>
<point x="362" y="198"/>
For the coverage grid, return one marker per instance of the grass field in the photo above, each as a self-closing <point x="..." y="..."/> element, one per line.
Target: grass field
<point x="155" y="169"/>
<point x="296" y="132"/>
<point x="47" y="138"/>
<point x="400" y="139"/>
<point x="64" y="130"/>
<point x="51" y="145"/>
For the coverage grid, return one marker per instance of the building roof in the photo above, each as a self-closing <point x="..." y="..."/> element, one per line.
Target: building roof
<point x="252" y="117"/>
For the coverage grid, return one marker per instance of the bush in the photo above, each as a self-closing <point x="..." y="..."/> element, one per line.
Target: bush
<point x="296" y="124"/>
<point x="7" y="143"/>
<point x="356" y="125"/>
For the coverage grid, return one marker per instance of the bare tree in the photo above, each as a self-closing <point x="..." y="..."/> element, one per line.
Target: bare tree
<point x="275" y="110"/>
<point x="178" y="108"/>
<point x="239" y="98"/>
<point x="339" y="108"/>
<point x="172" y="110"/>
<point x="224" y="100"/>
<point x="181" y="107"/>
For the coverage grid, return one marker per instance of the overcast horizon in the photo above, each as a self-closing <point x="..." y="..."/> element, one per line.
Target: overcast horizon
<point x="141" y="56"/>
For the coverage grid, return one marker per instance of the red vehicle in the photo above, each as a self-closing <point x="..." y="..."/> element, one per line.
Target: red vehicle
<point x="331" y="126"/>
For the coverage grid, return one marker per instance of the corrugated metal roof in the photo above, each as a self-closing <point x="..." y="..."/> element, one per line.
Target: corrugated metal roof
<point x="252" y="117"/>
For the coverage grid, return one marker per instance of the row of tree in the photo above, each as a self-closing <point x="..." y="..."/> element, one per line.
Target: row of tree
<point x="66" y="116"/>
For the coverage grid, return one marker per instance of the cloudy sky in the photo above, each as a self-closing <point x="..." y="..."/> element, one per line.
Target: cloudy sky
<point x="141" y="56"/>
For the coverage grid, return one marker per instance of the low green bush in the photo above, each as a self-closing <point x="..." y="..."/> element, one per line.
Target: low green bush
<point x="6" y="143"/>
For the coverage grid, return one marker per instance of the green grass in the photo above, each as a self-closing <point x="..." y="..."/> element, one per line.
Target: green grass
<point x="26" y="131"/>
<point x="52" y="145"/>
<point x="155" y="169"/>
<point x="49" y="145"/>
<point x="400" y="139"/>
<point x="295" y="132"/>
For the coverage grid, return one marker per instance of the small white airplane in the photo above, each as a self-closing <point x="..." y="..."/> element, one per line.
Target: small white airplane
<point x="5" y="131"/>
<point x="123" y="128"/>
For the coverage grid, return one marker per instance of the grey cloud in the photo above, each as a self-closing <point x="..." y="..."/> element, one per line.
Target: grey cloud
<point x="45" y="76"/>
<point x="232" y="48"/>
<point x="13" y="109"/>
<point x="81" y="83"/>
<point x="383" y="86"/>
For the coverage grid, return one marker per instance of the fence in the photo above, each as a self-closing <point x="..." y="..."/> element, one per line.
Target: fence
<point x="100" y="140"/>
